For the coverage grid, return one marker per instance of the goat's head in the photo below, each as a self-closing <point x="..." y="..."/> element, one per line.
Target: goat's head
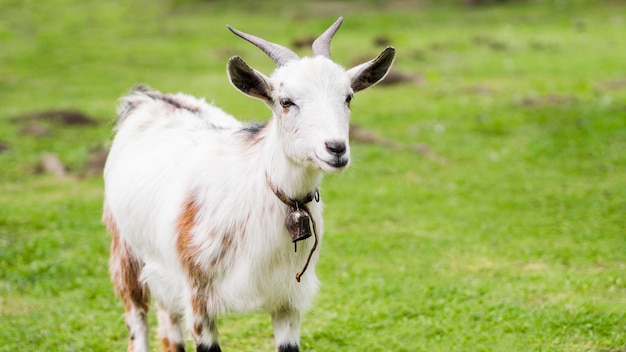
<point x="310" y="97"/>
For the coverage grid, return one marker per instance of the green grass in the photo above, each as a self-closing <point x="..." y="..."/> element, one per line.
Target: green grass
<point x="508" y="236"/>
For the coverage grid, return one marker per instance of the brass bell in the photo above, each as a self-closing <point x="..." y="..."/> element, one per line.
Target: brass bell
<point x="298" y="224"/>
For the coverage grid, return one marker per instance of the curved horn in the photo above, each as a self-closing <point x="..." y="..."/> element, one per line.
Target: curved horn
<point x="321" y="45"/>
<point x="278" y="53"/>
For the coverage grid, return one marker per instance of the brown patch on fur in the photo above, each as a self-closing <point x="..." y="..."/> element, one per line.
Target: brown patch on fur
<point x="197" y="328"/>
<point x="125" y="269"/>
<point x="226" y="246"/>
<point x="169" y="346"/>
<point x="203" y="297"/>
<point x="168" y="321"/>
<point x="187" y="251"/>
<point x="199" y="301"/>
<point x="241" y="230"/>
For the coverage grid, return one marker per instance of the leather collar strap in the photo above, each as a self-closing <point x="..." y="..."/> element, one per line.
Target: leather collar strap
<point x="296" y="204"/>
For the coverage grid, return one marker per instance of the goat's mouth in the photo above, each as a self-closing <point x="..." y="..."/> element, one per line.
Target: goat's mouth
<point x="334" y="164"/>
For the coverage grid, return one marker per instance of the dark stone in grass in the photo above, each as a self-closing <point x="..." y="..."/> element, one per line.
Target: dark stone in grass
<point x="4" y="147"/>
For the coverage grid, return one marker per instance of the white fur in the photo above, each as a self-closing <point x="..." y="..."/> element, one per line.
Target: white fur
<point x="169" y="149"/>
<point x="161" y="156"/>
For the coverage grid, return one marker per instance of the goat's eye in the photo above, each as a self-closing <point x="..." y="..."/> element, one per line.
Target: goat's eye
<point x="349" y="99"/>
<point x="286" y="103"/>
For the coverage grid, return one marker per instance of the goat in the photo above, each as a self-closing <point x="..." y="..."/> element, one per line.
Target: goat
<point x="196" y="201"/>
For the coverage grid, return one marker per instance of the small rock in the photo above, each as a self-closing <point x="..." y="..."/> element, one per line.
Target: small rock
<point x="50" y="163"/>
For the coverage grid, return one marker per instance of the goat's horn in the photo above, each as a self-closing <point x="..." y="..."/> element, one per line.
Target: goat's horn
<point x="321" y="45"/>
<point x="278" y="53"/>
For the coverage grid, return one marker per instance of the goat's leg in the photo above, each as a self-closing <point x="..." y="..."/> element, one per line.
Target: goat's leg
<point x="205" y="334"/>
<point x="125" y="269"/>
<point x="170" y="333"/>
<point x="202" y="325"/>
<point x="137" y="323"/>
<point x="286" y="324"/>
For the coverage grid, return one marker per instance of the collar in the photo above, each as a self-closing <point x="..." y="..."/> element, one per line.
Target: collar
<point x="296" y="205"/>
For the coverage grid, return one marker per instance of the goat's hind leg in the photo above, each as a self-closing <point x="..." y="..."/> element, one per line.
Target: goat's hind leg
<point x="125" y="269"/>
<point x="170" y="332"/>
<point x="286" y="324"/>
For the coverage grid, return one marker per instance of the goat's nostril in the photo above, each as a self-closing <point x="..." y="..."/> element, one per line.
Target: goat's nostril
<point x="336" y="148"/>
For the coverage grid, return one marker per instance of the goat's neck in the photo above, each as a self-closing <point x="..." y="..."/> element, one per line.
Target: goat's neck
<point x="293" y="179"/>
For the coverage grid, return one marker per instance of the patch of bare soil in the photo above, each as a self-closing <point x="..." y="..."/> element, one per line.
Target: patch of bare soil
<point x="613" y="84"/>
<point x="62" y="117"/>
<point x="395" y="77"/>
<point x="4" y="147"/>
<point x="96" y="160"/>
<point x="362" y="135"/>
<point x="547" y="100"/>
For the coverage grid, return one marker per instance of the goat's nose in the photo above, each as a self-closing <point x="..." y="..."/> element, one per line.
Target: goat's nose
<point x="336" y="148"/>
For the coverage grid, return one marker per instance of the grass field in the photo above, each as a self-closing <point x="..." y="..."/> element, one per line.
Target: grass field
<point x="504" y="231"/>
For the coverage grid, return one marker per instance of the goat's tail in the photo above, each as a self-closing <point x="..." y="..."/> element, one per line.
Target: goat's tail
<point x="138" y="93"/>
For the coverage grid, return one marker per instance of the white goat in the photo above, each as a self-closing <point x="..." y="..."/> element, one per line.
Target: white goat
<point x="196" y="201"/>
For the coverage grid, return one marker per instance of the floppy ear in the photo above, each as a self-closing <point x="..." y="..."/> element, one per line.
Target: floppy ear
<point x="371" y="72"/>
<point x="248" y="80"/>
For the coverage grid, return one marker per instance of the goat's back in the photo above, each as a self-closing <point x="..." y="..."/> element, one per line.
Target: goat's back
<point x="171" y="151"/>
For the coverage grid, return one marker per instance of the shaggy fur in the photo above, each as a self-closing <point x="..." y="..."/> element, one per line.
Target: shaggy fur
<point x="192" y="218"/>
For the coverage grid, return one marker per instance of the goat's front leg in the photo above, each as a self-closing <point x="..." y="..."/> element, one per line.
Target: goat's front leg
<point x="286" y="323"/>
<point x="170" y="333"/>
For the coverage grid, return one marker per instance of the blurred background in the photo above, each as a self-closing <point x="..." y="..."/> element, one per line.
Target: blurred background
<point x="484" y="210"/>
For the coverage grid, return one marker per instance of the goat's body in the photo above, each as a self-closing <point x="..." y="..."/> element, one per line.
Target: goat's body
<point x="202" y="209"/>
<point x="187" y="190"/>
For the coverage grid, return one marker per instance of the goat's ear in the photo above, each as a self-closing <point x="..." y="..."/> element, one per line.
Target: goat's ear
<point x="248" y="80"/>
<point x="371" y="72"/>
